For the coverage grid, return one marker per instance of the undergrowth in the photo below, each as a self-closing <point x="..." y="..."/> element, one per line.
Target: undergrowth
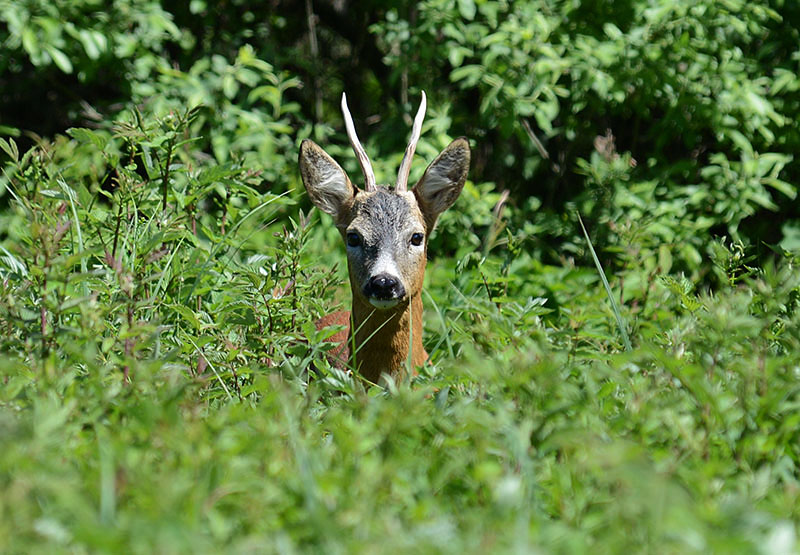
<point x="157" y="312"/>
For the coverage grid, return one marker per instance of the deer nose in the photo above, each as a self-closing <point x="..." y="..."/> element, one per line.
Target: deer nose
<point x="384" y="287"/>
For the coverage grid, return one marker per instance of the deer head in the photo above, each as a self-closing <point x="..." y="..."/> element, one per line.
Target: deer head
<point x="385" y="229"/>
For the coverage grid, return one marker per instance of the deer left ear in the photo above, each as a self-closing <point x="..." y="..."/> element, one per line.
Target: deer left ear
<point x="326" y="183"/>
<point x="443" y="180"/>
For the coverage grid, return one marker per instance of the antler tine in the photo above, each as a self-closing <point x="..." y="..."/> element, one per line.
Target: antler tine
<point x="405" y="165"/>
<point x="361" y="154"/>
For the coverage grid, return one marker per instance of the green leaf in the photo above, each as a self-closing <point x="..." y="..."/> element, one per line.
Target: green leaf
<point x="87" y="136"/>
<point x="94" y="43"/>
<point x="10" y="148"/>
<point x="620" y="322"/>
<point x="30" y="43"/>
<point x="188" y="316"/>
<point x="469" y="74"/>
<point x="779" y="185"/>
<point x="467" y="9"/>
<point x="59" y="58"/>
<point x="741" y="142"/>
<point x="612" y="31"/>
<point x="456" y="55"/>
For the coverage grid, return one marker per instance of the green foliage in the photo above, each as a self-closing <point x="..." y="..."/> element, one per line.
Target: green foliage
<point x="244" y="111"/>
<point x="696" y="97"/>
<point x="79" y="36"/>
<point x="132" y="261"/>
<point x="631" y="390"/>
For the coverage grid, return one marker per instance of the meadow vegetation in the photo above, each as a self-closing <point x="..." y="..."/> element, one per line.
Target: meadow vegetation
<point x="161" y="269"/>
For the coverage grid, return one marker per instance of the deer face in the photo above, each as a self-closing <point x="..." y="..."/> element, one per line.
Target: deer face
<point x="385" y="231"/>
<point x="386" y="247"/>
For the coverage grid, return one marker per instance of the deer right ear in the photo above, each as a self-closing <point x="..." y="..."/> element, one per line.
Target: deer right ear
<point x="327" y="185"/>
<point x="443" y="180"/>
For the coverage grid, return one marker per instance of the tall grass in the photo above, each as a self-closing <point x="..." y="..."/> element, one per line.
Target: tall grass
<point x="155" y="391"/>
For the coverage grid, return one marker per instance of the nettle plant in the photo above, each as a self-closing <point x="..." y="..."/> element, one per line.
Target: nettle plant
<point x="129" y="243"/>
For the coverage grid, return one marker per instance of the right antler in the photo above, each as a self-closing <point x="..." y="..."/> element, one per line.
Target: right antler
<point x="361" y="154"/>
<point x="405" y="165"/>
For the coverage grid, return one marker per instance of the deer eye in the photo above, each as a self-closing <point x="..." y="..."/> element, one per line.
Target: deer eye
<point x="353" y="239"/>
<point x="416" y="239"/>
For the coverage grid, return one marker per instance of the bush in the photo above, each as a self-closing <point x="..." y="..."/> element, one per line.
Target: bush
<point x="160" y="274"/>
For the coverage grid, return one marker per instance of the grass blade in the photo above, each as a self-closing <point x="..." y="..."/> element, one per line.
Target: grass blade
<point x="614" y="306"/>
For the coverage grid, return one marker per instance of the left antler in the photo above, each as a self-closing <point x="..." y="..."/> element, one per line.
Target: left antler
<point x="361" y="154"/>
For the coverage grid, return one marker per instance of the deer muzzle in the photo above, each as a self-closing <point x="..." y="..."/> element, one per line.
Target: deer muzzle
<point x="384" y="291"/>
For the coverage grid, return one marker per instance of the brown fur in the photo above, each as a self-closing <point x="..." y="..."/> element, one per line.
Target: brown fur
<point x="383" y="350"/>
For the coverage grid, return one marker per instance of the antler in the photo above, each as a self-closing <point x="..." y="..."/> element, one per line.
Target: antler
<point x="363" y="159"/>
<point x="405" y="165"/>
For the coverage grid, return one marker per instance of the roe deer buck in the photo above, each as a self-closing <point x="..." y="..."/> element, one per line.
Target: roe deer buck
<point x="385" y="230"/>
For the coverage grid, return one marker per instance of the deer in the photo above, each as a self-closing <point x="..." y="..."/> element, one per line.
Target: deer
<point x="385" y="230"/>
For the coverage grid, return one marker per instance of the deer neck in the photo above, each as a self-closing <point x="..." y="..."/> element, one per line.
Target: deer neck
<point x="384" y="338"/>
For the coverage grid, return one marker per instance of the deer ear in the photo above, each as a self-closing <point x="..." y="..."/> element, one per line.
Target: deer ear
<point x="327" y="185"/>
<point x="443" y="180"/>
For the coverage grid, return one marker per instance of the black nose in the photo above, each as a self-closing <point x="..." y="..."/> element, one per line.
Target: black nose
<point x="384" y="287"/>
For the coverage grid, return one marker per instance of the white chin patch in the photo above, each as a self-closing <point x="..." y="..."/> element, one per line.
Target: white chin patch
<point x="383" y="304"/>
